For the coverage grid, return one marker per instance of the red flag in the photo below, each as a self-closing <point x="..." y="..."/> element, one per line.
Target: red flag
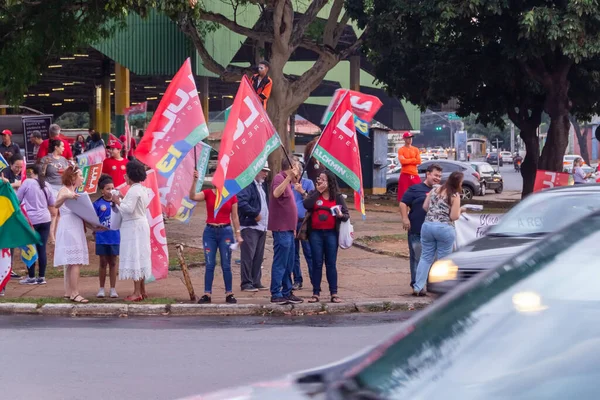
<point x="338" y="150"/>
<point x="176" y="127"/>
<point x="5" y="267"/>
<point x="364" y="107"/>
<point x="24" y="170"/>
<point x="140" y="108"/>
<point x="158" y="234"/>
<point x="549" y="179"/>
<point x="248" y="139"/>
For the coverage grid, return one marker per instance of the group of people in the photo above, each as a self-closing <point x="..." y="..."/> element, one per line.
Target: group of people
<point x="51" y="182"/>
<point x="428" y="212"/>
<point x="298" y="212"/>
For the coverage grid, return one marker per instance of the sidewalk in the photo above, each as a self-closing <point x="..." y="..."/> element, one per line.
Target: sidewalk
<point x="362" y="276"/>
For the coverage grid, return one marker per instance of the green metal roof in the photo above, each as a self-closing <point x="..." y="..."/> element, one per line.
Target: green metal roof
<point x="151" y="46"/>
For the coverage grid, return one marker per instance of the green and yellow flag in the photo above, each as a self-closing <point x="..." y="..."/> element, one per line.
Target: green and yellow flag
<point x="15" y="230"/>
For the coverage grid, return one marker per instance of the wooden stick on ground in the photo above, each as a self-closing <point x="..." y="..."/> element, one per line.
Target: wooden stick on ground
<point x="186" y="274"/>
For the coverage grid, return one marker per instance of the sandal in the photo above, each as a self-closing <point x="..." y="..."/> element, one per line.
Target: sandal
<point x="314" y="299"/>
<point x="134" y="298"/>
<point x="335" y="299"/>
<point x="79" y="299"/>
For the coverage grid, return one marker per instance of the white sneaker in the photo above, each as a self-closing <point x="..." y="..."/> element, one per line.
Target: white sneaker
<point x="113" y="294"/>
<point x="101" y="293"/>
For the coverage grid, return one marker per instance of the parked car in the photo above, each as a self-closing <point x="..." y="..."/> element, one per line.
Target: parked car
<point x="507" y="157"/>
<point x="519" y="332"/>
<point x="471" y="185"/>
<point x="527" y="223"/>
<point x="494" y="159"/>
<point x="490" y="179"/>
<point x="427" y="157"/>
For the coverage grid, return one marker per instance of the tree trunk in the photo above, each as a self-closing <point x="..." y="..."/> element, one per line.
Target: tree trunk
<point x="556" y="144"/>
<point x="581" y="139"/>
<point x="529" y="167"/>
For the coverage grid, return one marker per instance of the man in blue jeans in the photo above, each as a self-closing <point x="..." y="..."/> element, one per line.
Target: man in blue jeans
<point x="283" y="221"/>
<point x="413" y="220"/>
<point x="301" y="190"/>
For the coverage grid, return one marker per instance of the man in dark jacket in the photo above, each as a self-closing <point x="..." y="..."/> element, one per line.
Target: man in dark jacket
<point x="253" y="210"/>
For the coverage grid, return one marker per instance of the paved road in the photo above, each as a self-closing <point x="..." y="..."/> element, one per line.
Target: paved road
<point x="169" y="358"/>
<point x="512" y="180"/>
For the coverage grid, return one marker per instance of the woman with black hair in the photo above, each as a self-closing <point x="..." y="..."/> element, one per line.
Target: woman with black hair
<point x="135" y="258"/>
<point x="36" y="198"/>
<point x="328" y="210"/>
<point x="78" y="146"/>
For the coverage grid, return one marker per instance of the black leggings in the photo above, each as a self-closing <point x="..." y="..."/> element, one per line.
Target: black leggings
<point x="44" y="231"/>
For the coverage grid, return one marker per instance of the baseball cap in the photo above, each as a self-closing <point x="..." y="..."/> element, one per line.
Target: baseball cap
<point x="113" y="144"/>
<point x="6" y="132"/>
<point x="407" y="135"/>
<point x="266" y="167"/>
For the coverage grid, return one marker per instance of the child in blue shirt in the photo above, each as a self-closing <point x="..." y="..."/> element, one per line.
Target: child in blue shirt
<point x="107" y="242"/>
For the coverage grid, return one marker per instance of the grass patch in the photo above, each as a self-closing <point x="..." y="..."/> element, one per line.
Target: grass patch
<point x="191" y="256"/>
<point x="384" y="238"/>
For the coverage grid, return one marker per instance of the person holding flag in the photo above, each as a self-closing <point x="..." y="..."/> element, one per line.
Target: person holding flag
<point x="261" y="83"/>
<point x="218" y="235"/>
<point x="15" y="231"/>
<point x="409" y="157"/>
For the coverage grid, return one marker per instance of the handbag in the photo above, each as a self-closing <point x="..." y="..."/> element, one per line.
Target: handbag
<point x="116" y="218"/>
<point x="302" y="233"/>
<point x="346" y="236"/>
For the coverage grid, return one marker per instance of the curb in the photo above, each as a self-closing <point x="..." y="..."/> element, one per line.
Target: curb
<point x="364" y="247"/>
<point x="177" y="310"/>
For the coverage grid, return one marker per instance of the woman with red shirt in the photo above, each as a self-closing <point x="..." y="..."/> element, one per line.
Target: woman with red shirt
<point x="328" y="210"/>
<point x="218" y="235"/>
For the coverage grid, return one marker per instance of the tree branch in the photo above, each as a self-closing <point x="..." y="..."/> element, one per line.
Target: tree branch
<point x="332" y="23"/>
<point x="355" y="46"/>
<point x="234" y="27"/>
<point x="305" y="20"/>
<point x="229" y="74"/>
<point x="339" y="31"/>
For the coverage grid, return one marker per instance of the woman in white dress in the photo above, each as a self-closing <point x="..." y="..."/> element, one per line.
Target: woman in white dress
<point x="135" y="258"/>
<point x="71" y="249"/>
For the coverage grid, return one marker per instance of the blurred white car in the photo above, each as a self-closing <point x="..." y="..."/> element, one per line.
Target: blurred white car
<point x="507" y="157"/>
<point x="427" y="157"/>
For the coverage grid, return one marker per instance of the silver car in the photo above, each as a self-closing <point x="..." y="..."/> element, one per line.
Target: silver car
<point x="528" y="223"/>
<point x="471" y="185"/>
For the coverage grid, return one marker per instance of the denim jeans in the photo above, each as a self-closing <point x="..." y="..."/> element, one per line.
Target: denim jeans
<point x="44" y="231"/>
<point x="307" y="256"/>
<point x="435" y="237"/>
<point x="217" y="239"/>
<point x="324" y="246"/>
<point x="414" y="249"/>
<point x="283" y="264"/>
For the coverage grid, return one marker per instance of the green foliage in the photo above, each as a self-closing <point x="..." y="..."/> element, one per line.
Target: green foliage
<point x="31" y="32"/>
<point x="74" y="120"/>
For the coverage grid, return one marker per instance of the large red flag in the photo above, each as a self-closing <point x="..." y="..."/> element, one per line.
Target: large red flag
<point x="338" y="150"/>
<point x="176" y="127"/>
<point x="248" y="139"/>
<point x="158" y="234"/>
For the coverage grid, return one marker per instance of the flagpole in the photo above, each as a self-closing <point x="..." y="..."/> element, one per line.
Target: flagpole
<point x="319" y="140"/>
<point x="195" y="159"/>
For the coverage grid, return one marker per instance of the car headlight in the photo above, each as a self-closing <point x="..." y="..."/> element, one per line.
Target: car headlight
<point x="443" y="270"/>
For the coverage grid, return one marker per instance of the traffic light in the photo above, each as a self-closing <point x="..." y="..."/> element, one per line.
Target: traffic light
<point x="438" y="128"/>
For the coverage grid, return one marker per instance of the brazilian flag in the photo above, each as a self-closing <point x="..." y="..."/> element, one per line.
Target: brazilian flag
<point x="15" y="230"/>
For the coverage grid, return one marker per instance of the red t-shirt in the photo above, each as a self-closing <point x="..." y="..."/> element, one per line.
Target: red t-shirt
<point x="322" y="217"/>
<point x="43" y="151"/>
<point x="224" y="214"/>
<point x="116" y="169"/>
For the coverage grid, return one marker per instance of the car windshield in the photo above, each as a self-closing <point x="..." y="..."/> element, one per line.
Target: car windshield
<point x="546" y="212"/>
<point x="484" y="168"/>
<point x="524" y="331"/>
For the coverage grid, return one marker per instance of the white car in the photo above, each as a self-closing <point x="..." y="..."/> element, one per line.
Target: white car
<point x="568" y="161"/>
<point x="427" y="157"/>
<point x="507" y="157"/>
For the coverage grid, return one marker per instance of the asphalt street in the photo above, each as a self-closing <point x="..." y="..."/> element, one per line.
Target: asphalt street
<point x="512" y="180"/>
<point x="169" y="358"/>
